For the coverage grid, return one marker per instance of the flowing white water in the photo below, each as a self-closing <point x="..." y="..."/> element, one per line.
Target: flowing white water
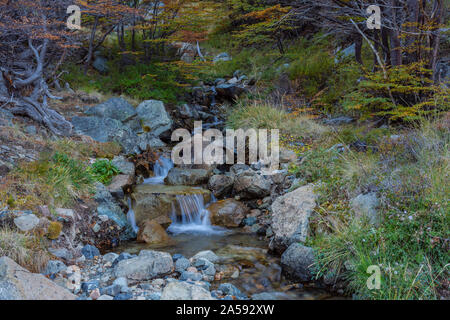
<point x="161" y="170"/>
<point x="194" y="217"/>
<point x="130" y="217"/>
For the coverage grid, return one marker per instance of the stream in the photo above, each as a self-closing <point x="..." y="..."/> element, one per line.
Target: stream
<point x="244" y="258"/>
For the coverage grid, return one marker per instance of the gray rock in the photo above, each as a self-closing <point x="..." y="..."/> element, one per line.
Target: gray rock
<point x="125" y="166"/>
<point x="207" y="254"/>
<point x="187" y="177"/>
<point x="148" y="265"/>
<point x="114" y="108"/>
<point x="177" y="290"/>
<point x="110" y="257"/>
<point x="108" y="207"/>
<point x="90" y="251"/>
<point x="148" y="140"/>
<point x="269" y="296"/>
<point x="194" y="276"/>
<point x="290" y="217"/>
<point x="229" y="289"/>
<point x="298" y="262"/>
<point x="154" y="117"/>
<point x="107" y="130"/>
<point x="221" y="185"/>
<point x="229" y="91"/>
<point x="31" y="130"/>
<point x="105" y="297"/>
<point x="6" y="118"/>
<point x="339" y="121"/>
<point x="111" y="290"/>
<point x="100" y="64"/>
<point x="53" y="267"/>
<point x="365" y="208"/>
<point x="222" y="57"/>
<point x="17" y="283"/>
<point x="252" y="187"/>
<point x="62" y="253"/>
<point x="182" y="264"/>
<point x="26" y="222"/>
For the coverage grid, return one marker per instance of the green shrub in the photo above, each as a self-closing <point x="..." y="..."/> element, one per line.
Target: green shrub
<point x="103" y="171"/>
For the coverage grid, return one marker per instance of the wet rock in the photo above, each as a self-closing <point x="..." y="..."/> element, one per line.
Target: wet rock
<point x="207" y="254"/>
<point x="185" y="291"/>
<point x="110" y="257"/>
<point x="119" y="184"/>
<point x="221" y="185"/>
<point x="26" y="222"/>
<point x="154" y="117"/>
<point x="194" y="276"/>
<point x="269" y="296"/>
<point x="365" y="208"/>
<point x="231" y="290"/>
<point x="187" y="177"/>
<point x="17" y="283"/>
<point x="123" y="296"/>
<point x="152" y="233"/>
<point x="297" y="262"/>
<point x="182" y="264"/>
<point x="228" y="213"/>
<point x="252" y="187"/>
<point x="290" y="217"/>
<point x="157" y="201"/>
<point x="90" y="251"/>
<point x="148" y="265"/>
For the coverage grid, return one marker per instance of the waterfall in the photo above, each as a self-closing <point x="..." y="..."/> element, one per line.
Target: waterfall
<point x="194" y="216"/>
<point x="161" y="170"/>
<point x="130" y="217"/>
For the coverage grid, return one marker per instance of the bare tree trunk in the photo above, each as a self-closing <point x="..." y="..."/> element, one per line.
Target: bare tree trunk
<point x="358" y="48"/>
<point x="396" y="53"/>
<point x="91" y="45"/>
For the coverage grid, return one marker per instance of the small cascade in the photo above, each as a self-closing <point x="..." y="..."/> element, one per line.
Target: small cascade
<point x="161" y="170"/>
<point x="131" y="218"/>
<point x="194" y="217"/>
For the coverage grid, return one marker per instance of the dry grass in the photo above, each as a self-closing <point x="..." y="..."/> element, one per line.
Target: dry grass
<point x="27" y="250"/>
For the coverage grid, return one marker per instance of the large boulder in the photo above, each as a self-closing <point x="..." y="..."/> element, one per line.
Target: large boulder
<point x="148" y="265"/>
<point x="365" y="208"/>
<point x="221" y="185"/>
<point x="252" y="186"/>
<point x="298" y="262"/>
<point x="180" y="290"/>
<point x="160" y="201"/>
<point x="290" y="217"/>
<point x="151" y="232"/>
<point x="119" y="184"/>
<point x="228" y="213"/>
<point x="187" y="177"/>
<point x="107" y="130"/>
<point x="154" y="117"/>
<point x="114" y="108"/>
<point x="17" y="283"/>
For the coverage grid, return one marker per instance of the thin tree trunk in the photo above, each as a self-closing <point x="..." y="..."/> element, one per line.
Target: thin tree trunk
<point x="91" y="45"/>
